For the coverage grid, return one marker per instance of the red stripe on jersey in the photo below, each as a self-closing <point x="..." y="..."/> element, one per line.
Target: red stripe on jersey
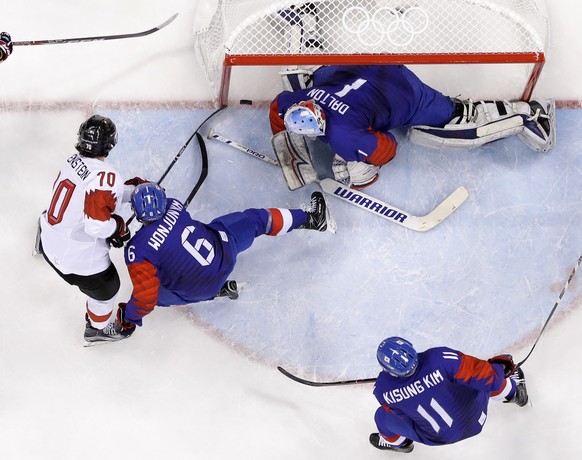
<point x="277" y="124"/>
<point x="276" y="221"/>
<point x="99" y="204"/>
<point x="146" y="285"/>
<point x="385" y="149"/>
<point x="472" y="367"/>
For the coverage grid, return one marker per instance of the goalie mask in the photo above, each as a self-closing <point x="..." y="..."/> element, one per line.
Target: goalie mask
<point x="305" y="118"/>
<point x="96" y="137"/>
<point x="397" y="357"/>
<point x="149" y="201"/>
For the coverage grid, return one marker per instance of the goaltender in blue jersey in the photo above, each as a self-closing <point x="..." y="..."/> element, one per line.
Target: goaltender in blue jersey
<point x="354" y="108"/>
<point x="439" y="396"/>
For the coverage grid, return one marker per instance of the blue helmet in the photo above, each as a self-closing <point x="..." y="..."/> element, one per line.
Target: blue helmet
<point x="397" y="357"/>
<point x="305" y="118"/>
<point x="148" y="201"/>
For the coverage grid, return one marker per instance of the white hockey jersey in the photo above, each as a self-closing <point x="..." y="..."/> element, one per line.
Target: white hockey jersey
<point x="78" y="220"/>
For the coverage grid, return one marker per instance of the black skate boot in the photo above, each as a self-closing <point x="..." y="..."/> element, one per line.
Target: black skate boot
<point x="380" y="443"/>
<point x="520" y="397"/>
<point x="110" y="333"/>
<point x="317" y="214"/>
<point x="229" y="289"/>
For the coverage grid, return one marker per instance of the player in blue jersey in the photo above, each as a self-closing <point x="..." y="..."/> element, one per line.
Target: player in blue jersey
<point x="353" y="109"/>
<point x="176" y="260"/>
<point x="439" y="396"/>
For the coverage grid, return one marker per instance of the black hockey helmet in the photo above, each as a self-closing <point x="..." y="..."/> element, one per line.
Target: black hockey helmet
<point x="97" y="136"/>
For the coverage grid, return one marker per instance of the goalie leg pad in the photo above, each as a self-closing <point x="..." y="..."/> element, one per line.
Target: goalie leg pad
<point x="475" y="125"/>
<point x="294" y="159"/>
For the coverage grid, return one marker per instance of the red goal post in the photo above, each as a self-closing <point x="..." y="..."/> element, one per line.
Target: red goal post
<point x="356" y="32"/>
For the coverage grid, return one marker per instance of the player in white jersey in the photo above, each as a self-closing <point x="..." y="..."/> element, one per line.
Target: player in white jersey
<point x="83" y="221"/>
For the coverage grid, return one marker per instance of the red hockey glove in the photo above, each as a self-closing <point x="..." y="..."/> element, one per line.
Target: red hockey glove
<point x="135" y="181"/>
<point x="127" y="328"/>
<point x="121" y="235"/>
<point x="5" y="46"/>
<point x="506" y="361"/>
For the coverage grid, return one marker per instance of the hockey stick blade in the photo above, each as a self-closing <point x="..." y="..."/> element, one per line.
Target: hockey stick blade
<point x="60" y="41"/>
<point x="392" y="213"/>
<point x="312" y="383"/>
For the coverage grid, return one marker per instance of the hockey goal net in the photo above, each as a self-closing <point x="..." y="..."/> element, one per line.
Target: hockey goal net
<point x="354" y="32"/>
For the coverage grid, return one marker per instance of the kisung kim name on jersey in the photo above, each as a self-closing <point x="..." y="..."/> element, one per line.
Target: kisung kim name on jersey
<point x="371" y="204"/>
<point x="415" y="388"/>
<point x="79" y="166"/>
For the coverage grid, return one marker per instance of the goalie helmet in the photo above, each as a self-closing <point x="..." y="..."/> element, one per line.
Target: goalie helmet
<point x="96" y="137"/>
<point x="397" y="357"/>
<point x="149" y="201"/>
<point x="305" y="118"/>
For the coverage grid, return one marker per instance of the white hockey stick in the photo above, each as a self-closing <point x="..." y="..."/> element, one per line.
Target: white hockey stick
<point x="368" y="203"/>
<point x="392" y="213"/>
<point x="212" y="135"/>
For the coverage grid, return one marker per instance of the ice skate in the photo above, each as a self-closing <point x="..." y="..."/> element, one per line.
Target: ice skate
<point x="520" y="397"/>
<point x="229" y="289"/>
<point x="110" y="333"/>
<point x="380" y="443"/>
<point x="318" y="216"/>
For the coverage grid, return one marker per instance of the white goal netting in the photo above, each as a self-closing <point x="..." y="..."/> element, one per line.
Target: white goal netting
<point x="262" y="32"/>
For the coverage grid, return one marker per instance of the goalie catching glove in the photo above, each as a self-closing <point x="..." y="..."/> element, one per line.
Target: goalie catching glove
<point x="354" y="174"/>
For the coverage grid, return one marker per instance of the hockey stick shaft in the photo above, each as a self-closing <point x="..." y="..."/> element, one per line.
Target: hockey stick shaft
<point x="203" y="152"/>
<point x="568" y="281"/>
<point x="368" y="203"/>
<point x="60" y="41"/>
<point x="203" y="173"/>
<point x="260" y="156"/>
<point x="313" y="383"/>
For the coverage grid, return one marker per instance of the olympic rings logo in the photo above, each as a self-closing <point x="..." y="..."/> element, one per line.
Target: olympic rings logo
<point x="398" y="27"/>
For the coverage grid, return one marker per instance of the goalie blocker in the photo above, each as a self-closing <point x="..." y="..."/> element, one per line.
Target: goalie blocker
<point x="479" y="123"/>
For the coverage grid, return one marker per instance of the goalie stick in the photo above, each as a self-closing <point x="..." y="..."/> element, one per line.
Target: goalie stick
<point x="368" y="203"/>
<point x="59" y="41"/>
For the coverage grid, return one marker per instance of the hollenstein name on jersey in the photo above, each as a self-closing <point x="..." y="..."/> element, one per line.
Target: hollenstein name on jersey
<point x="79" y="166"/>
<point x="165" y="226"/>
<point x="414" y="389"/>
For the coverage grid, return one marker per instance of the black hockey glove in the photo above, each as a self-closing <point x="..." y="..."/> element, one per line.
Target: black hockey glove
<point x="121" y="235"/>
<point x="5" y="46"/>
<point x="127" y="328"/>
<point x="506" y="361"/>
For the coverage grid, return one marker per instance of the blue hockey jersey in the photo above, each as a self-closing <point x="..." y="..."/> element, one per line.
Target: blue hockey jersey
<point x="176" y="260"/>
<point x="443" y="402"/>
<point x="362" y="103"/>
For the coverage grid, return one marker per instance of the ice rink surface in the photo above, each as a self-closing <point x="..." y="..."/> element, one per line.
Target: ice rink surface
<point x="200" y="381"/>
